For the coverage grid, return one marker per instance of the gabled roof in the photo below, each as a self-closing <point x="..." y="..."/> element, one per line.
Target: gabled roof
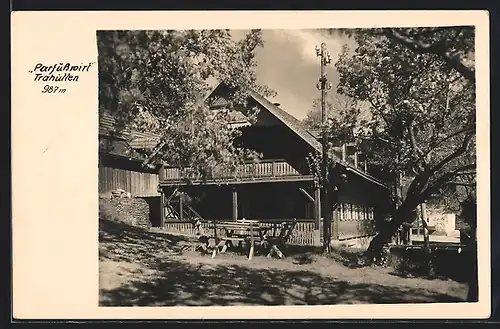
<point x="288" y="120"/>
<point x="124" y="143"/>
<point x="119" y="149"/>
<point x="298" y="127"/>
<point x="236" y="119"/>
<point x="316" y="133"/>
<point x="109" y="127"/>
<point x="145" y="143"/>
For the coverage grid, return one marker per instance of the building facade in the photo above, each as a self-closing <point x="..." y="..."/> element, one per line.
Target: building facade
<point x="279" y="187"/>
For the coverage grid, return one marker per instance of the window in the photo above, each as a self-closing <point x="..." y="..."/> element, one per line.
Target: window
<point x="370" y="213"/>
<point x="355" y="212"/>
<point x="345" y="216"/>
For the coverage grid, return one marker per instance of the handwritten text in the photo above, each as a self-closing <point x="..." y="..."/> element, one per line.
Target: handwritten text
<point x="59" y="72"/>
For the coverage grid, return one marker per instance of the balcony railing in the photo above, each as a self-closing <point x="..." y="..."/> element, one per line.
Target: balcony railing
<point x="265" y="169"/>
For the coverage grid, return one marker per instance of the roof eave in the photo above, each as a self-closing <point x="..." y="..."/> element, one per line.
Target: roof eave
<point x="365" y="176"/>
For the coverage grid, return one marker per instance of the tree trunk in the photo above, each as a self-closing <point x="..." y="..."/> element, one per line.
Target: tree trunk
<point x="405" y="213"/>
<point x="378" y="242"/>
<point x="427" y="247"/>
<point x="469" y="212"/>
<point x="473" y="292"/>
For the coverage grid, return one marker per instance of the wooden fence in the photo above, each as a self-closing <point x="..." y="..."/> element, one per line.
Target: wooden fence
<point x="137" y="183"/>
<point x="302" y="235"/>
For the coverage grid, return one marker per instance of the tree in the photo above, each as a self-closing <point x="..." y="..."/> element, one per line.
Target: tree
<point x="420" y="85"/>
<point x="344" y="116"/>
<point x="339" y="108"/>
<point x="156" y="81"/>
<point x="454" y="46"/>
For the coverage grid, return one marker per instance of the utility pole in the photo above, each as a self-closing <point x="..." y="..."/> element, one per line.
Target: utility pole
<point x="323" y="85"/>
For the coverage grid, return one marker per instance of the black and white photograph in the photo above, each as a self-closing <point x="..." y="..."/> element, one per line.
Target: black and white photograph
<point x="265" y="167"/>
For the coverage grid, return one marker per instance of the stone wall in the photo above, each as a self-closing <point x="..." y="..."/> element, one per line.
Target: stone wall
<point x="133" y="211"/>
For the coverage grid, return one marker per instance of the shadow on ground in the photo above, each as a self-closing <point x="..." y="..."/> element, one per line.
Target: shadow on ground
<point x="177" y="282"/>
<point x="448" y="264"/>
<point x="185" y="284"/>
<point x="123" y="242"/>
<point x="411" y="263"/>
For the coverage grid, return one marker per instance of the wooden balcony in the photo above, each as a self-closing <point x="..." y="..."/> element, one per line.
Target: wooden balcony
<point x="264" y="171"/>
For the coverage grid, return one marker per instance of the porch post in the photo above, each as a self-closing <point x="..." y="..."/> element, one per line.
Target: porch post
<point x="317" y="215"/>
<point x="235" y="204"/>
<point x="162" y="208"/>
<point x="181" y="208"/>
<point x="335" y="222"/>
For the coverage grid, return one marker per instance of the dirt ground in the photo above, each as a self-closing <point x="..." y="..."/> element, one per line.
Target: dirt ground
<point x="141" y="267"/>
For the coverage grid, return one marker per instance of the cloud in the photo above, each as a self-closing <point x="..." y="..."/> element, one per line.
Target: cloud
<point x="288" y="64"/>
<point x="305" y="41"/>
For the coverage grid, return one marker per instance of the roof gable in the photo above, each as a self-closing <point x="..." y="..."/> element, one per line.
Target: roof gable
<point x="109" y="127"/>
<point x="288" y="120"/>
<point x="293" y="124"/>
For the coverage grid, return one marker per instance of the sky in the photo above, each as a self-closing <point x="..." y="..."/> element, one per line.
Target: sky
<point x="288" y="64"/>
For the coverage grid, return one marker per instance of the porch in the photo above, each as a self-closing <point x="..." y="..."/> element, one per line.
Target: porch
<point x="269" y="193"/>
<point x="263" y="171"/>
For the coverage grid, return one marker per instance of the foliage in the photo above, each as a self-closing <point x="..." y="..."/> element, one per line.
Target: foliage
<point x="422" y="106"/>
<point x="342" y="123"/>
<point x="156" y="81"/>
<point x="452" y="45"/>
<point x="342" y="118"/>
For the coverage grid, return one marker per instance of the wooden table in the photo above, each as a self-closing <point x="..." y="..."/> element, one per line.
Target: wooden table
<point x="247" y="231"/>
<point x="239" y="231"/>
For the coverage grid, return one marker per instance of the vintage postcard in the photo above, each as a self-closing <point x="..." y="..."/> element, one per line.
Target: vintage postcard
<point x="250" y="165"/>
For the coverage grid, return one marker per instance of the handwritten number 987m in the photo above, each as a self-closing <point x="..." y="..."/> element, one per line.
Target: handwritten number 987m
<point x="53" y="89"/>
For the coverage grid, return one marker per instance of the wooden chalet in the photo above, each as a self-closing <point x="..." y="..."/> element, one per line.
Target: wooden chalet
<point x="279" y="187"/>
<point x="121" y="154"/>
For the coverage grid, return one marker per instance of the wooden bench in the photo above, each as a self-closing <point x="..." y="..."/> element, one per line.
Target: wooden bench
<point x="279" y="242"/>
